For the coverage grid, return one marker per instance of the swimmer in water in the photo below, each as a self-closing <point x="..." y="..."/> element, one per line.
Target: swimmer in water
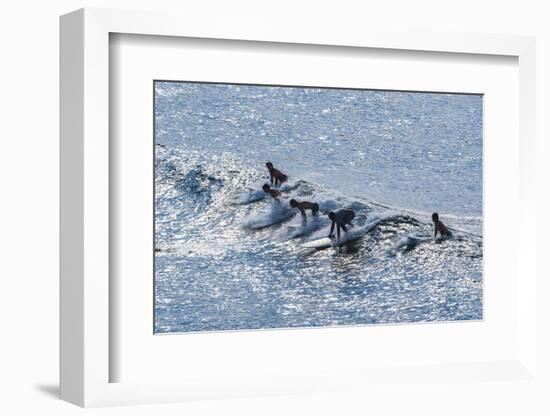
<point x="340" y="219"/>
<point x="303" y="205"/>
<point x="440" y="227"/>
<point x="276" y="177"/>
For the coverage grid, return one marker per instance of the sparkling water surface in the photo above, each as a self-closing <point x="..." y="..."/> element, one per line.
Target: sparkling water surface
<point x="392" y="157"/>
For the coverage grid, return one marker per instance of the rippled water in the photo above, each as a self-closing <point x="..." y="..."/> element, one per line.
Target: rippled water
<point x="392" y="157"/>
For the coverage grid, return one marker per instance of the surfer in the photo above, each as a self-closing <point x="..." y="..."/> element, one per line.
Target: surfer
<point x="302" y="206"/>
<point x="275" y="194"/>
<point x="440" y="227"/>
<point x="276" y="177"/>
<point x="340" y="219"/>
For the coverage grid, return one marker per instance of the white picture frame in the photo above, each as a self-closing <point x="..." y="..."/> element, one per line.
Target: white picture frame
<point x="86" y="356"/>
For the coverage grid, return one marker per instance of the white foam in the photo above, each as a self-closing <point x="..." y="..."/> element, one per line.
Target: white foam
<point x="297" y="228"/>
<point x="249" y="197"/>
<point x="277" y="212"/>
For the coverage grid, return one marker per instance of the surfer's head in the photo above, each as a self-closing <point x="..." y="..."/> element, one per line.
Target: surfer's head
<point x="269" y="165"/>
<point x="266" y="188"/>
<point x="435" y="217"/>
<point x="332" y="215"/>
<point x="293" y="203"/>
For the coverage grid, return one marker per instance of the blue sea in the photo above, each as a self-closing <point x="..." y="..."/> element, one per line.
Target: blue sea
<point x="229" y="257"/>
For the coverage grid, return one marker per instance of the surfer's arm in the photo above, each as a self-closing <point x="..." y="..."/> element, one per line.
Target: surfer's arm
<point x="344" y="228"/>
<point x="271" y="178"/>
<point x="303" y="212"/>
<point x="435" y="232"/>
<point x="331" y="229"/>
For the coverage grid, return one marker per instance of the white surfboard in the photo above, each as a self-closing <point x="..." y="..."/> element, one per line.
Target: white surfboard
<point x="348" y="238"/>
<point x="352" y="235"/>
<point x="319" y="243"/>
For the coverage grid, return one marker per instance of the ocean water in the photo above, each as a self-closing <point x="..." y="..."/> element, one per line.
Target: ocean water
<point x="229" y="258"/>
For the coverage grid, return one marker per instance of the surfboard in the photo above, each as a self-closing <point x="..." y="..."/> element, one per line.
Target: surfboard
<point x="352" y="235"/>
<point x="319" y="243"/>
<point x="349" y="237"/>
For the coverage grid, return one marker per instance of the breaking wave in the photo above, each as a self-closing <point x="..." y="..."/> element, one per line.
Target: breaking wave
<point x="220" y="240"/>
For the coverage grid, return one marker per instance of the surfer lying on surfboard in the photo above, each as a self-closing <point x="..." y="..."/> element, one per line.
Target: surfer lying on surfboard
<point x="440" y="227"/>
<point x="276" y="177"/>
<point x="340" y="219"/>
<point x="303" y="205"/>
<point x="275" y="194"/>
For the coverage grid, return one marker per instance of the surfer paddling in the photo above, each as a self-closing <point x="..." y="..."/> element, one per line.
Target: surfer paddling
<point x="340" y="219"/>
<point x="275" y="194"/>
<point x="276" y="177"/>
<point x="440" y="227"/>
<point x="303" y="206"/>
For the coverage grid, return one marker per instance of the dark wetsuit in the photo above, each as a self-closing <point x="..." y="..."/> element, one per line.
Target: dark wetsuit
<point x="302" y="206"/>
<point x="276" y="176"/>
<point x="440" y="227"/>
<point x="342" y="218"/>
